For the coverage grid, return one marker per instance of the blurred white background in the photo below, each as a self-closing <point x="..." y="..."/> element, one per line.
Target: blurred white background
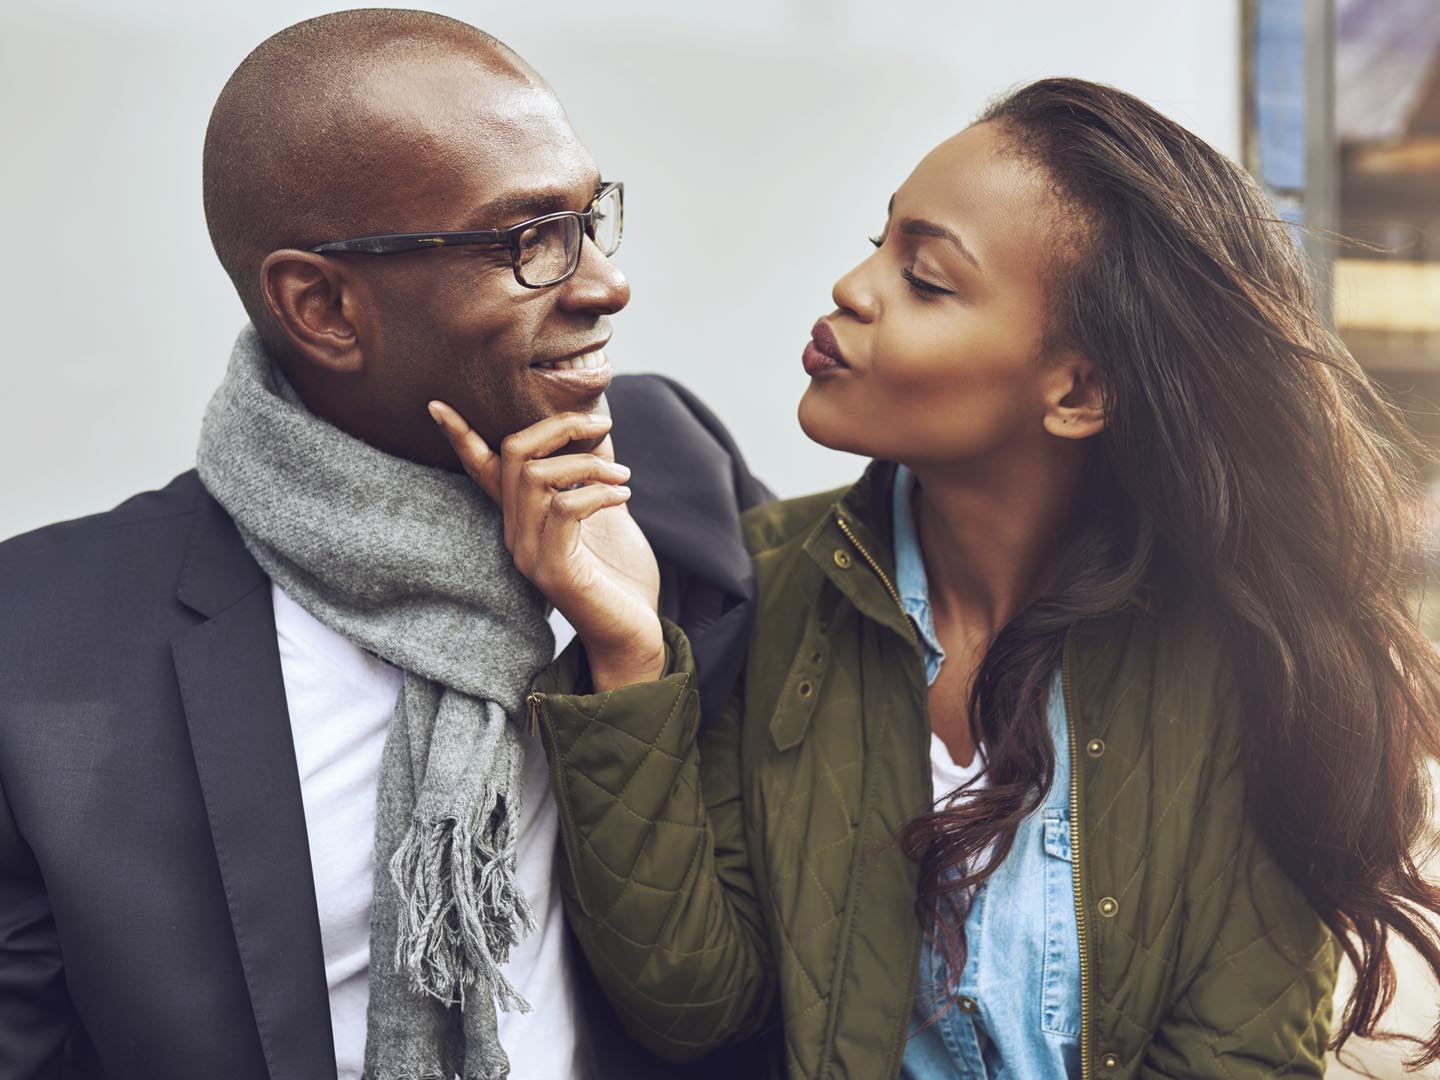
<point x="758" y="141"/>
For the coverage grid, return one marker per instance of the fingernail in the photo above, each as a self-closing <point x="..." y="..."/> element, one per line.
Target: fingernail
<point x="434" y="409"/>
<point x="622" y="489"/>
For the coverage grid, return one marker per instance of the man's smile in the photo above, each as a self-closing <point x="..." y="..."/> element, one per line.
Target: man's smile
<point x="583" y="375"/>
<point x="586" y="361"/>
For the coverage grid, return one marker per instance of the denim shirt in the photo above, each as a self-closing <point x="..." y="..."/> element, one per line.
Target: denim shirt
<point x="1018" y="1014"/>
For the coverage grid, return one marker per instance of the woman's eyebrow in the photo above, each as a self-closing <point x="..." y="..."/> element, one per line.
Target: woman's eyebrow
<point x="921" y="227"/>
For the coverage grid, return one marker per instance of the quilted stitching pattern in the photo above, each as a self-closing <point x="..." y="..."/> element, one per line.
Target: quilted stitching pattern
<point x="668" y="920"/>
<point x="809" y="836"/>
<point x="1215" y="965"/>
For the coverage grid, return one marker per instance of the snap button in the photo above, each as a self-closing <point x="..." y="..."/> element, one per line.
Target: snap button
<point x="1110" y="1061"/>
<point x="842" y="559"/>
<point x="806" y="688"/>
<point x="968" y="1005"/>
<point x="1095" y="747"/>
<point x="1108" y="906"/>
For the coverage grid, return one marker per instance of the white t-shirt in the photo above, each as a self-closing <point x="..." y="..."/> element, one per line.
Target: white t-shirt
<point x="945" y="775"/>
<point x="341" y="699"/>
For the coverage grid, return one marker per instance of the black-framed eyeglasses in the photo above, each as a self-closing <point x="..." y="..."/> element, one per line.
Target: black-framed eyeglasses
<point x="543" y="250"/>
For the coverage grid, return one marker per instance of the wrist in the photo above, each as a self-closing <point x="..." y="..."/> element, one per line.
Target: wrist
<point x="637" y="661"/>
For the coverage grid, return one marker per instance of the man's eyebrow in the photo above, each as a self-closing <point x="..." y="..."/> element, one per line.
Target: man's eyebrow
<point x="515" y="207"/>
<point x="921" y="227"/>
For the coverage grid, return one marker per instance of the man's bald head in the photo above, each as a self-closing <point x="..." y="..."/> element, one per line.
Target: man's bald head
<point x="374" y="122"/>
<point x="309" y="139"/>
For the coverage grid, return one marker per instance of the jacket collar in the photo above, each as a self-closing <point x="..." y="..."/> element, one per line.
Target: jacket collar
<point x="233" y="694"/>
<point x="853" y="545"/>
<point x="864" y="517"/>
<point x="218" y="570"/>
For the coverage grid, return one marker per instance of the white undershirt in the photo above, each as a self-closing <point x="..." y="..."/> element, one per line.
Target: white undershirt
<point x="945" y="775"/>
<point x="341" y="699"/>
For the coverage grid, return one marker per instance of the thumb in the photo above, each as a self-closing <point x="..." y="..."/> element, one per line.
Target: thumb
<point x="482" y="463"/>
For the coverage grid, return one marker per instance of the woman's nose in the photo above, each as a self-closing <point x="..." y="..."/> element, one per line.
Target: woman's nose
<point x="853" y="293"/>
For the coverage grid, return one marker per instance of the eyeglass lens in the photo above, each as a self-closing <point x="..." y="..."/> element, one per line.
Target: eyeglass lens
<point x="606" y="222"/>
<point x="550" y="250"/>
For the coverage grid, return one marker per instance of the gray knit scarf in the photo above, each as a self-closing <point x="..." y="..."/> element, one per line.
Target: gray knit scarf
<point x="409" y="563"/>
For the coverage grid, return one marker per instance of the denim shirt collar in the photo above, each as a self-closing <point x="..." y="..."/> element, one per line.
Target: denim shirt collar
<point x="910" y="580"/>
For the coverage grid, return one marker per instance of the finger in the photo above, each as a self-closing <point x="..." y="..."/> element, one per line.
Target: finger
<point x="558" y="473"/>
<point x="536" y="441"/>
<point x="543" y="479"/>
<point x="476" y="457"/>
<point x="579" y="504"/>
<point x="546" y="436"/>
<point x="546" y="550"/>
<point x="606" y="449"/>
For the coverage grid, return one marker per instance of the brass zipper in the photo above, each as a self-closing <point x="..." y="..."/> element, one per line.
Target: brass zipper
<point x="533" y="700"/>
<point x="914" y="640"/>
<point x="1086" y="1070"/>
<point x="884" y="578"/>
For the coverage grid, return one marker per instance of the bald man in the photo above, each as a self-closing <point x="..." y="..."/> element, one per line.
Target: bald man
<point x="268" y="803"/>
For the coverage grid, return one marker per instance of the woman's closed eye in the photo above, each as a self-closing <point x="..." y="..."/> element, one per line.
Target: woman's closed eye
<point x="918" y="285"/>
<point x="921" y="287"/>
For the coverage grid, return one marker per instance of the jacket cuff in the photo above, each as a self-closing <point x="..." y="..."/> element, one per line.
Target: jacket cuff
<point x="563" y="700"/>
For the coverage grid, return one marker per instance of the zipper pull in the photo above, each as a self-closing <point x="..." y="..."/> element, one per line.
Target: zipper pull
<point x="533" y="700"/>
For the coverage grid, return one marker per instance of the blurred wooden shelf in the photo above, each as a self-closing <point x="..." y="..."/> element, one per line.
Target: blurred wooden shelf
<point x="1394" y="297"/>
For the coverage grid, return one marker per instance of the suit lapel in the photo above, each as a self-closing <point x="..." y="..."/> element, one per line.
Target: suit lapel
<point x="234" y="697"/>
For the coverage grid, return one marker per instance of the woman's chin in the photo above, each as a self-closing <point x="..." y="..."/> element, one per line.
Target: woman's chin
<point x="828" y="425"/>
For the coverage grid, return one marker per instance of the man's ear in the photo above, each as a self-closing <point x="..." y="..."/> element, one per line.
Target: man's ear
<point x="1074" y="397"/>
<point x="313" y="298"/>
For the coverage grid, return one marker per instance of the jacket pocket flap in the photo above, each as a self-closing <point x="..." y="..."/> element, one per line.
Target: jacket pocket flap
<point x="800" y="690"/>
<point x="1057" y="834"/>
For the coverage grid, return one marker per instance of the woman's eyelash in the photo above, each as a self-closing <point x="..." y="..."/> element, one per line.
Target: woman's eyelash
<point x="921" y="286"/>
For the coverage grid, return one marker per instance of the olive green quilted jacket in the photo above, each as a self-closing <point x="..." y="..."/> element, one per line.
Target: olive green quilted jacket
<point x="743" y="878"/>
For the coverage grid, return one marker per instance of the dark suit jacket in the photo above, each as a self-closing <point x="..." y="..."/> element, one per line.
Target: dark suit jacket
<point x="157" y="909"/>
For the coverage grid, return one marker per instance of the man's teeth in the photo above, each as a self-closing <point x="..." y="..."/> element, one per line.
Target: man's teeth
<point x="588" y="362"/>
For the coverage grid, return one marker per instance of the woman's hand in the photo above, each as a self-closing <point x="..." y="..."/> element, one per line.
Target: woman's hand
<point x="568" y="531"/>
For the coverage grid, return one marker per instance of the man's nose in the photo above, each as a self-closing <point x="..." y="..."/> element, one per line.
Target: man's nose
<point x="597" y="284"/>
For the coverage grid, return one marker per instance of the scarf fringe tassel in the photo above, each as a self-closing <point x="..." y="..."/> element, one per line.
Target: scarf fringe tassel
<point x="461" y="907"/>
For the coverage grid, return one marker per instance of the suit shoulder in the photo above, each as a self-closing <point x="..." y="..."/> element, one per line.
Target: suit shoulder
<point x="681" y="452"/>
<point x="644" y="384"/>
<point x="648" y="386"/>
<point x="107" y="537"/>
<point x="664" y="408"/>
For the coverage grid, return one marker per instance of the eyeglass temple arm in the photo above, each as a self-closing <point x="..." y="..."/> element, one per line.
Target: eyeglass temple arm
<point x="397" y="242"/>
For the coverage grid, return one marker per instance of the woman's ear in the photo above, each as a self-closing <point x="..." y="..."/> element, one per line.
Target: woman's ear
<point x="1074" y="397"/>
<point x="312" y="299"/>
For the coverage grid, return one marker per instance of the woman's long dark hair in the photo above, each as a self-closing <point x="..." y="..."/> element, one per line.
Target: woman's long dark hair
<point x="1246" y="456"/>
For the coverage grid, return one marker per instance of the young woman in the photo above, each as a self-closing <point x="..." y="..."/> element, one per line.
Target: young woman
<point x="1082" y="734"/>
